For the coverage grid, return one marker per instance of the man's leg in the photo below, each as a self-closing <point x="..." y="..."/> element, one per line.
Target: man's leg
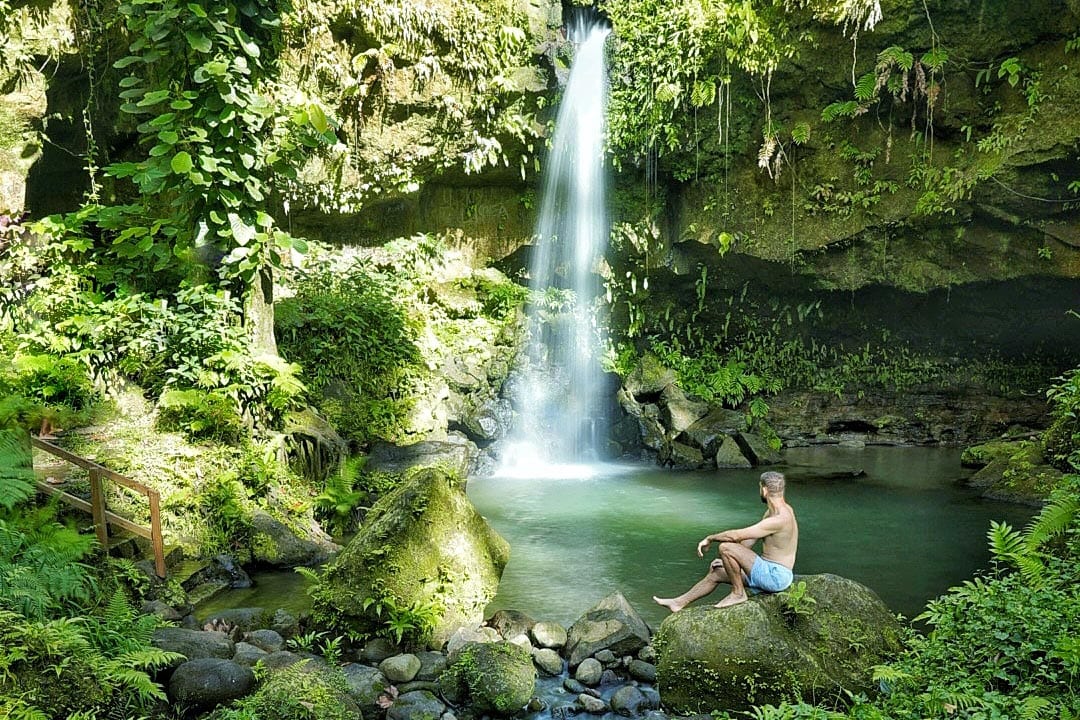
<point x="737" y="559"/>
<point x="717" y="574"/>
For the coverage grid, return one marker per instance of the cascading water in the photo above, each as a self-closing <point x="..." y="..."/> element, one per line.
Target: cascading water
<point x="560" y="399"/>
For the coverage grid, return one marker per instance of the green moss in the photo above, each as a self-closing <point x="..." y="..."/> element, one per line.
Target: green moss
<point x="494" y="677"/>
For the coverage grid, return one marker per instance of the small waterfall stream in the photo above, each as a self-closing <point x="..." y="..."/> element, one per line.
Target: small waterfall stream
<point x="560" y="402"/>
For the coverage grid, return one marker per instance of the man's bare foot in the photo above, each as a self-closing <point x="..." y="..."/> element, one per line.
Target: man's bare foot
<point x="669" y="603"/>
<point x="730" y="600"/>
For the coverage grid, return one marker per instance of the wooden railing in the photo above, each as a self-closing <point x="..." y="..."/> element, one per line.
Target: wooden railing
<point x="96" y="506"/>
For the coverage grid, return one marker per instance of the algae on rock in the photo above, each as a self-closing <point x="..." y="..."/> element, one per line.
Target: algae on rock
<point x="423" y="547"/>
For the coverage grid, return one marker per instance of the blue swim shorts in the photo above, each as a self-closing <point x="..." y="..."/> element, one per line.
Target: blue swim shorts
<point x="768" y="576"/>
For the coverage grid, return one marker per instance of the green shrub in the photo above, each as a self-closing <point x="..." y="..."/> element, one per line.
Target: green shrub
<point x="295" y="693"/>
<point x="222" y="504"/>
<point x="357" y="347"/>
<point x="1062" y="438"/>
<point x="200" y="415"/>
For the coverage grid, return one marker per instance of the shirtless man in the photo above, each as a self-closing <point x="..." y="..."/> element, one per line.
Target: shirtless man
<point x="741" y="567"/>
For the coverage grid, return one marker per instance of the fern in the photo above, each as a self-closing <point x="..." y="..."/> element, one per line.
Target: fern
<point x="935" y="59"/>
<point x="832" y="111"/>
<point x="16" y="468"/>
<point x="895" y="55"/>
<point x="1005" y="542"/>
<point x="1053" y="520"/>
<point x="866" y="88"/>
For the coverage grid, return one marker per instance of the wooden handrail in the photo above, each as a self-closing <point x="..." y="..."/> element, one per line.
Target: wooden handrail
<point x="96" y="506"/>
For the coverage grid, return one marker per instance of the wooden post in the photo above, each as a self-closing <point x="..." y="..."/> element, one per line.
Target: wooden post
<point x="155" y="532"/>
<point x="97" y="506"/>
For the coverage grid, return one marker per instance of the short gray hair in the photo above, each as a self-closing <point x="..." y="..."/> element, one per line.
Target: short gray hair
<point x="773" y="482"/>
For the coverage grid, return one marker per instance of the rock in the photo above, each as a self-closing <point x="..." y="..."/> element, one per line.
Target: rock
<point x="207" y="682"/>
<point x="707" y="433"/>
<point x="611" y="624"/>
<point x="365" y="685"/>
<point x="493" y="677"/>
<point x="762" y="651"/>
<point x="573" y="686"/>
<point x="756" y="450"/>
<point x="510" y="623"/>
<point x="682" y="457"/>
<point x="592" y="705"/>
<point x="463" y="636"/>
<point x="678" y="411"/>
<point x="304" y="690"/>
<point x="979" y="456"/>
<point x="649" y="378"/>
<point x="606" y="657"/>
<point x="488" y="422"/>
<point x="247" y="654"/>
<point x="275" y="543"/>
<point x="416" y="705"/>
<point x="549" y="661"/>
<point x="432" y="665"/>
<point x="651" y="432"/>
<point x="609" y="677"/>
<point x="627" y="433"/>
<point x="424" y="528"/>
<point x="628" y="701"/>
<point x="242" y="620"/>
<point x="323" y="448"/>
<point x="730" y="455"/>
<point x="456" y="456"/>
<point x="231" y="572"/>
<point x="647" y="654"/>
<point x="281" y="659"/>
<point x="285" y="624"/>
<point x="432" y="687"/>
<point x="588" y="672"/>
<point x="400" y="668"/>
<point x="268" y="640"/>
<point x="549" y="635"/>
<point x="194" y="644"/>
<point x="378" y="649"/>
<point x="162" y="610"/>
<point x="643" y="671"/>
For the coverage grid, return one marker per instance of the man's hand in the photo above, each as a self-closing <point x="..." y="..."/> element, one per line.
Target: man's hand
<point x="703" y="546"/>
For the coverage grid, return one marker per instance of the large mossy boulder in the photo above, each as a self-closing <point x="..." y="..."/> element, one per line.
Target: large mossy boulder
<point x="423" y="546"/>
<point x="819" y="638"/>
<point x="494" y="677"/>
<point x="612" y="624"/>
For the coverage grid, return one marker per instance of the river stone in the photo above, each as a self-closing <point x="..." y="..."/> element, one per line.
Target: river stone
<point x="400" y="668"/>
<point x="756" y="450"/>
<point x="641" y="670"/>
<point x="612" y="624"/>
<point x="629" y="701"/>
<point x="548" y="661"/>
<point x="647" y="654"/>
<point x="606" y="657"/>
<point x="761" y="651"/>
<point x="424" y="528"/>
<point x="549" y="635"/>
<point x="207" y="682"/>
<point x="432" y="665"/>
<point x="285" y="623"/>
<point x="573" y="686"/>
<point x="730" y="455"/>
<point x="510" y="623"/>
<point x="194" y="644"/>
<point x="365" y="684"/>
<point x="592" y="705"/>
<point x="683" y="457"/>
<point x="493" y="677"/>
<point x="589" y="672"/>
<point x="281" y="659"/>
<point x="416" y="705"/>
<point x="268" y="640"/>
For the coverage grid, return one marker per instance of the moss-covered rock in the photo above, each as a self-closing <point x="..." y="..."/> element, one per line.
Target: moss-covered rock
<point x="424" y="550"/>
<point x="1017" y="472"/>
<point x="813" y="641"/>
<point x="493" y="677"/>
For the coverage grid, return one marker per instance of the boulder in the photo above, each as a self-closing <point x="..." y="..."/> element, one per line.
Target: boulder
<point x="775" y="647"/>
<point x="243" y="620"/>
<point x="304" y="690"/>
<point x="629" y="701"/>
<point x="465" y="635"/>
<point x="207" y="682"/>
<point x="588" y="672"/>
<point x="730" y="455"/>
<point x="194" y="644"/>
<point x="678" y="411"/>
<point x="456" y="454"/>
<point x="416" y="705"/>
<point x="425" y="528"/>
<point x="432" y="665"/>
<point x="592" y="705"/>
<point x="275" y="543"/>
<point x="681" y="457"/>
<point x="756" y="450"/>
<point x="651" y="431"/>
<point x="649" y="378"/>
<point x="493" y="677"/>
<point x="612" y="624"/>
<point x="510" y="623"/>
<point x="641" y="670"/>
<point x="707" y="433"/>
<point x="365" y="685"/>
<point x="549" y="635"/>
<point x="400" y="668"/>
<point x="378" y="649"/>
<point x="548" y="661"/>
<point x="268" y="640"/>
<point x="247" y="654"/>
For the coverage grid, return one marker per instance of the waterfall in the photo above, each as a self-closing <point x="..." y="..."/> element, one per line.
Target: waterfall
<point x="560" y="402"/>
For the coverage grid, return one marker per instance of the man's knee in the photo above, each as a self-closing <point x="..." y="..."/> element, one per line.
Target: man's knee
<point x="716" y="565"/>
<point x="728" y="548"/>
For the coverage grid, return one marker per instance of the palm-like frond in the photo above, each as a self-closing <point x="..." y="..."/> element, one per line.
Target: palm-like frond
<point x="16" y="468"/>
<point x="1054" y="519"/>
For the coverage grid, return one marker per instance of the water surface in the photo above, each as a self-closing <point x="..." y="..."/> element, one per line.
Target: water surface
<point x="905" y="528"/>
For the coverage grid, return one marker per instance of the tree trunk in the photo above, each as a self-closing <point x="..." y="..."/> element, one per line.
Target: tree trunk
<point x="259" y="313"/>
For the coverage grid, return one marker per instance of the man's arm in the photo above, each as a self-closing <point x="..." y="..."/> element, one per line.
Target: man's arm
<point x="746" y="536"/>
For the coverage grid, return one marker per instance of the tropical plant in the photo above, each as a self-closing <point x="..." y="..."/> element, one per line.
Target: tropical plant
<point x="339" y="499"/>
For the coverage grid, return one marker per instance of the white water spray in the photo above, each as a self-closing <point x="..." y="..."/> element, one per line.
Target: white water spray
<point x="560" y="407"/>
